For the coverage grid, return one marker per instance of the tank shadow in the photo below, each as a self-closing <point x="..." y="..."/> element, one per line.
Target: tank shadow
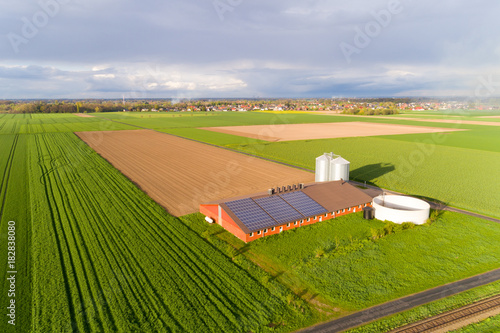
<point x="436" y="204"/>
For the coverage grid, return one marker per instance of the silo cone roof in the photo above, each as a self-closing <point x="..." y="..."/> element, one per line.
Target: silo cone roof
<point x="323" y="157"/>
<point x="340" y="160"/>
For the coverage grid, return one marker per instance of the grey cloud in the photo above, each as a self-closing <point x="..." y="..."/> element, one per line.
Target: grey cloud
<point x="300" y="39"/>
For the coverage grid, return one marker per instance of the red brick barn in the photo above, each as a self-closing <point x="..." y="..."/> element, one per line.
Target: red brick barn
<point x="259" y="215"/>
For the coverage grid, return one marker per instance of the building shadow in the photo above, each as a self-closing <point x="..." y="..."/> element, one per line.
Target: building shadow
<point x="218" y="232"/>
<point x="372" y="171"/>
<point x="303" y="292"/>
<point x="275" y="277"/>
<point x="243" y="249"/>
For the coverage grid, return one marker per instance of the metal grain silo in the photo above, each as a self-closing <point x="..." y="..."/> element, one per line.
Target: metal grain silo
<point x="339" y="169"/>
<point x="323" y="167"/>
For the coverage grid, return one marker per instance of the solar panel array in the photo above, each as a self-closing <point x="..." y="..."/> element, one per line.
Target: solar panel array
<point x="265" y="212"/>
<point x="279" y="209"/>
<point x="251" y="214"/>
<point x="303" y="203"/>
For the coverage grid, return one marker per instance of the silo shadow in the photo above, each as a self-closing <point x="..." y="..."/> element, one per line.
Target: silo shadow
<point x="372" y="171"/>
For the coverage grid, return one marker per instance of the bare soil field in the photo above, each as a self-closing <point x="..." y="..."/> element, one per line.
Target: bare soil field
<point x="83" y="115"/>
<point x="490" y="117"/>
<point x="180" y="174"/>
<point x="289" y="132"/>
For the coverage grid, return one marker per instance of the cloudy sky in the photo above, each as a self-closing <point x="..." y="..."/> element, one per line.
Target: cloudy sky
<point x="248" y="48"/>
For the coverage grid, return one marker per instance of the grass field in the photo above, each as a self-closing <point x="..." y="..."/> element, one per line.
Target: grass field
<point x="156" y="120"/>
<point x="486" y="139"/>
<point x="94" y="253"/>
<point x="339" y="261"/>
<point x="461" y="177"/>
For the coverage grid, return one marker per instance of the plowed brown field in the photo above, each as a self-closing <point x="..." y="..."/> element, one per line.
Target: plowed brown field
<point x="180" y="174"/>
<point x="289" y="132"/>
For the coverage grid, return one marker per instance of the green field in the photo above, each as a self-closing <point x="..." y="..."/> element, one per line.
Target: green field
<point x="49" y="123"/>
<point x="94" y="253"/>
<point x="156" y="120"/>
<point x="461" y="177"/>
<point x="15" y="206"/>
<point x="339" y="260"/>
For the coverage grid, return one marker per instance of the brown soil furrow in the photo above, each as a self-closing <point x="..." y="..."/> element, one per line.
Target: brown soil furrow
<point x="180" y="174"/>
<point x="290" y="132"/>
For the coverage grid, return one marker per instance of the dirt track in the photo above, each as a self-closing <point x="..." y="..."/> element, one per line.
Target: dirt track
<point x="180" y="174"/>
<point x="322" y="130"/>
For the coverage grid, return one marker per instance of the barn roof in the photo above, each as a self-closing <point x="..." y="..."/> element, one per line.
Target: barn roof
<point x="337" y="195"/>
<point x="259" y="211"/>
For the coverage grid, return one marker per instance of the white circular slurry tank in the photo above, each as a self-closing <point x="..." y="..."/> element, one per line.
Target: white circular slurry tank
<point x="399" y="209"/>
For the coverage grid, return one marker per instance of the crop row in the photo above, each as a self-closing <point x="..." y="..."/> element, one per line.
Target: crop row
<point x="54" y="123"/>
<point x="13" y="202"/>
<point x="115" y="260"/>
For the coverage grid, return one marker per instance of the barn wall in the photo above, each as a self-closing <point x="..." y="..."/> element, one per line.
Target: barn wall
<point x="225" y="221"/>
<point x="210" y="211"/>
<point x="232" y="227"/>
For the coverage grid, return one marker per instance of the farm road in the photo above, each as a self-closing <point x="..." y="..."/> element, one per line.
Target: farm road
<point x="403" y="304"/>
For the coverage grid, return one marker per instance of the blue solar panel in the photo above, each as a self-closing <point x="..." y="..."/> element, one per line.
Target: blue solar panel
<point x="252" y="216"/>
<point x="303" y="203"/>
<point x="279" y="209"/>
